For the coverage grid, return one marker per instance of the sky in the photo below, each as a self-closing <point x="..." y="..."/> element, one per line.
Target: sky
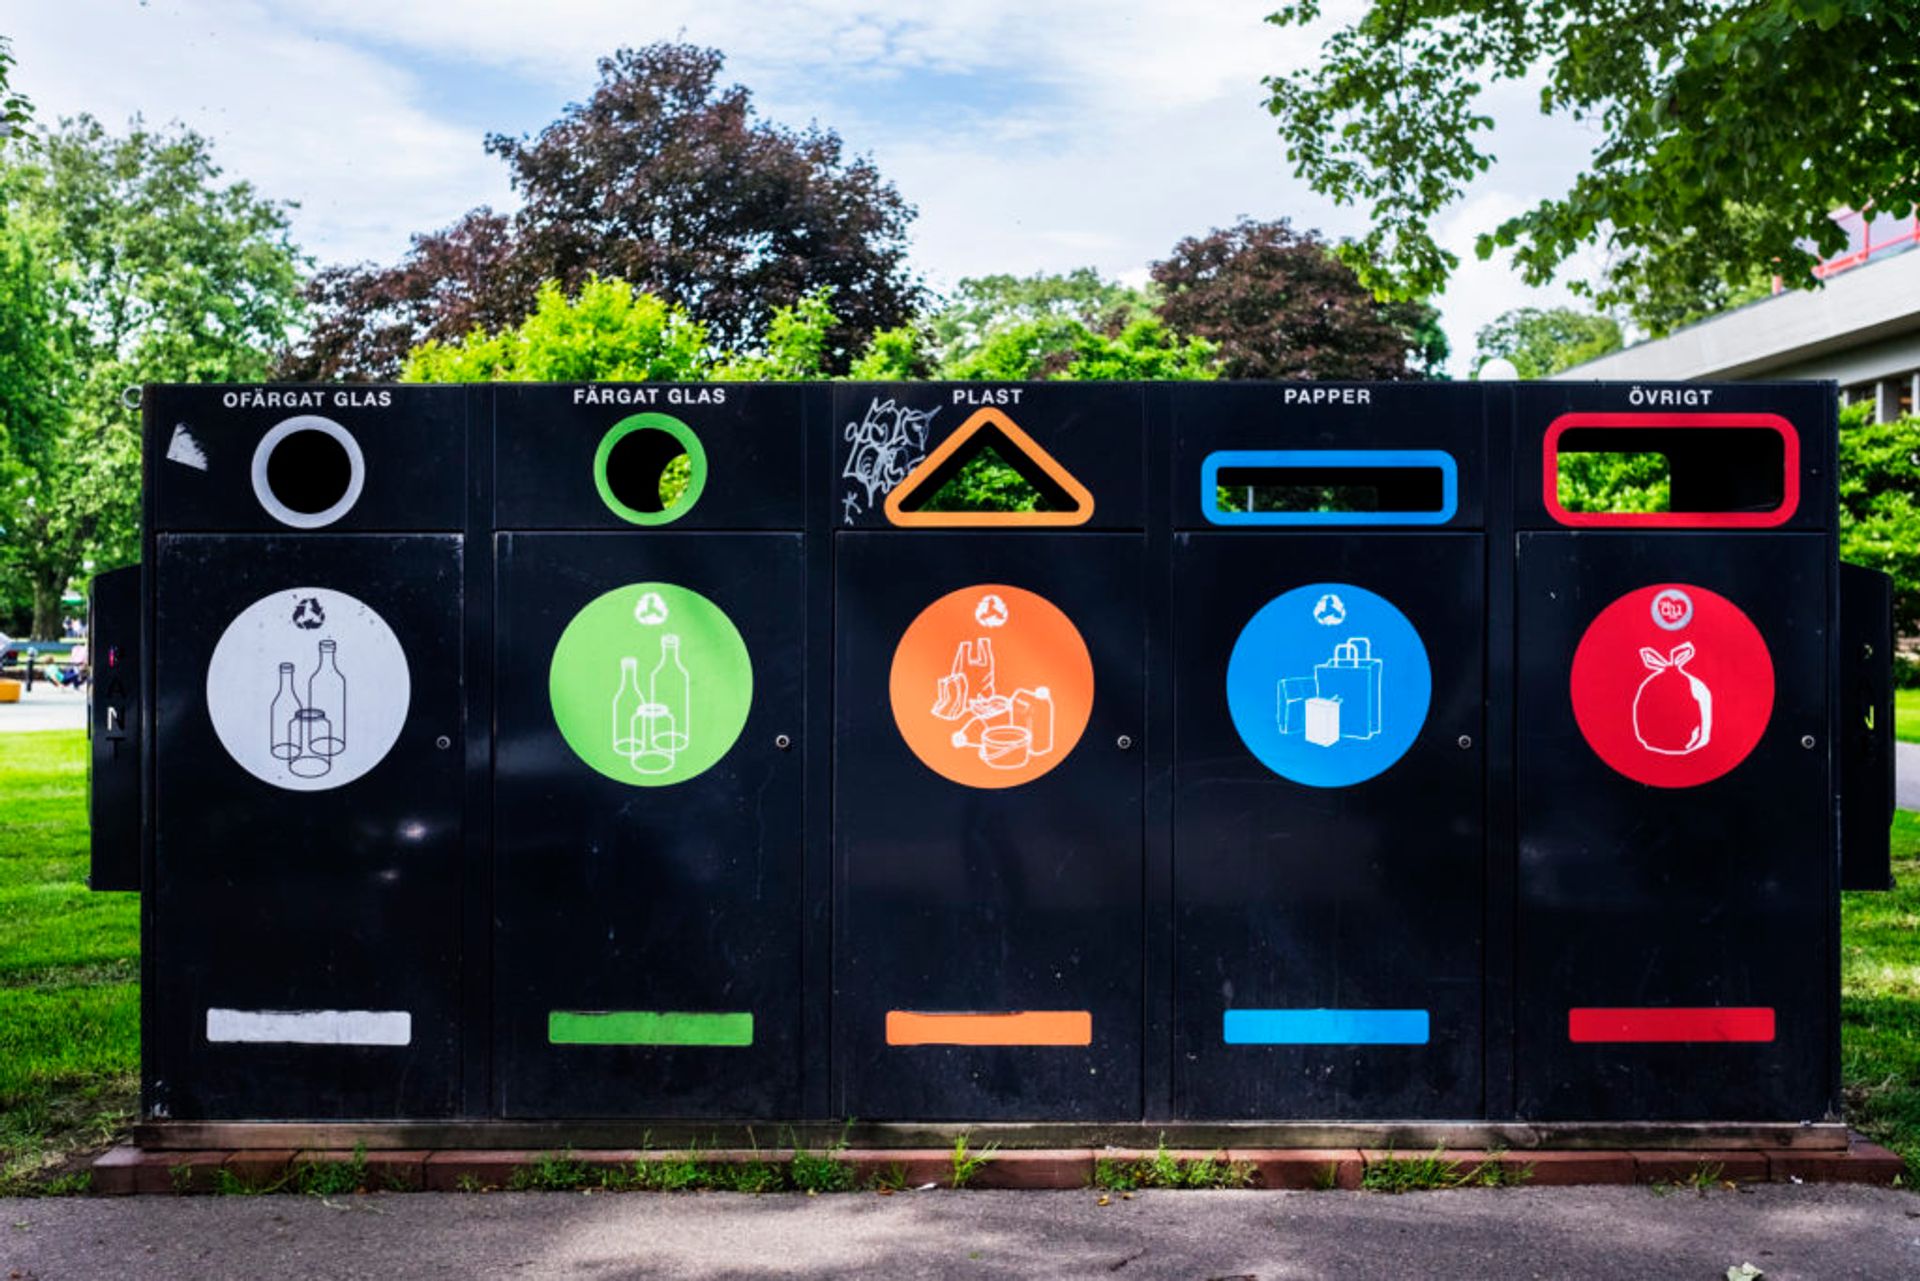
<point x="1031" y="136"/>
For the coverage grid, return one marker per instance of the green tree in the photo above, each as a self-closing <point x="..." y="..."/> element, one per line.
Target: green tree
<point x="1880" y="504"/>
<point x="982" y="306"/>
<point x="1726" y="134"/>
<point x="30" y="365"/>
<point x="15" y="111"/>
<point x="608" y="332"/>
<point x="155" y="271"/>
<point x="798" y="344"/>
<point x="900" y="352"/>
<point x="1541" y="342"/>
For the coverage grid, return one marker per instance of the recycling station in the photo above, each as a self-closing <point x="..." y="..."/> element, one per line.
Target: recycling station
<point x="580" y="755"/>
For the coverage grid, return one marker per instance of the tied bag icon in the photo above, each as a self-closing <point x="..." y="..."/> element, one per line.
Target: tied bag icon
<point x="1673" y="708"/>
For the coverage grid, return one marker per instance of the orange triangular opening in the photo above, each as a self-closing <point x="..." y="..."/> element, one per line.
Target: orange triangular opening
<point x="1069" y="502"/>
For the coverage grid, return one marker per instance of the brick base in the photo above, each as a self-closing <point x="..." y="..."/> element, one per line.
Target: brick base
<point x="126" y="1170"/>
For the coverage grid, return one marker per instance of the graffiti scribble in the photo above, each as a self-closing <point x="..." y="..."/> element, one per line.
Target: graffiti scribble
<point x="886" y="444"/>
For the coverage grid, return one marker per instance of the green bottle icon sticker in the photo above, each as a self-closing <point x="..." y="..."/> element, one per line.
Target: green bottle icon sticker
<point x="651" y="684"/>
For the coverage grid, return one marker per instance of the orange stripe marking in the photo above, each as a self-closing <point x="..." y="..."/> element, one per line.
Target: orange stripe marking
<point x="1022" y="1027"/>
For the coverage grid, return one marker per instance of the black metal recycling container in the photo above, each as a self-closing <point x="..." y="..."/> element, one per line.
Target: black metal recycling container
<point x="302" y="936"/>
<point x="1677" y="910"/>
<point x="1329" y="807"/>
<point x="653" y="628"/>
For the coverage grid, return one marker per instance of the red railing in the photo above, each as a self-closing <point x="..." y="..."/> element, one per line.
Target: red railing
<point x="1867" y="234"/>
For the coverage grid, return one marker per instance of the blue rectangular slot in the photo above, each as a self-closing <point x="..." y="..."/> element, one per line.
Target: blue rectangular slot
<point x="1326" y="1027"/>
<point x="1324" y="460"/>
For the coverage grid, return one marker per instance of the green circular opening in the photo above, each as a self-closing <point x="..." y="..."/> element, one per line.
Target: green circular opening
<point x="650" y="469"/>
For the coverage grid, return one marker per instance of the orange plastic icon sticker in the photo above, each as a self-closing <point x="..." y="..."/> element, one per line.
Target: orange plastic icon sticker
<point x="992" y="686"/>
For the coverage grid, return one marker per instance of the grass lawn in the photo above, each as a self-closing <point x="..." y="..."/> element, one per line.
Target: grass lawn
<point x="69" y="967"/>
<point x="1906" y="715"/>
<point x="1880" y="1003"/>
<point x="69" y="978"/>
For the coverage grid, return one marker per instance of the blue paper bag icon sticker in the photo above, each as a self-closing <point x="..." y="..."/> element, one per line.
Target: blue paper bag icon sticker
<point x="1310" y="690"/>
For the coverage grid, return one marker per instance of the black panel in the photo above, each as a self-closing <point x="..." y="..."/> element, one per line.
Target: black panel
<point x="116" y="804"/>
<point x="266" y="899"/>
<point x="546" y="437"/>
<point x="1366" y="897"/>
<point x="1713" y="896"/>
<point x="201" y="442"/>
<point x="881" y="431"/>
<point x="1865" y="721"/>
<point x="680" y="898"/>
<point x="955" y="899"/>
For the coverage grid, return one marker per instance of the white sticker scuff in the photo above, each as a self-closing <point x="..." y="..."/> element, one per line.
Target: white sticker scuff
<point x="185" y="450"/>
<point x="311" y="1027"/>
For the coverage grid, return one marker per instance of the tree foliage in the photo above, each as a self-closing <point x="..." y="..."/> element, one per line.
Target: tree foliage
<point x="15" y="111"/>
<point x="1543" y="341"/>
<point x="608" y="332"/>
<point x="128" y="261"/>
<point x="1277" y="303"/>
<point x="1726" y="133"/>
<point x="1880" y="505"/>
<point x="983" y="306"/>
<point x="664" y="178"/>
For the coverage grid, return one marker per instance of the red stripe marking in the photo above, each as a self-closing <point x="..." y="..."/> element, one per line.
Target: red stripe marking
<point x="1668" y="1024"/>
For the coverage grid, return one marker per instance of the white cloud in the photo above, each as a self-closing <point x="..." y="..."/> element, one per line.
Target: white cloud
<point x="316" y="121"/>
<point x="1081" y="132"/>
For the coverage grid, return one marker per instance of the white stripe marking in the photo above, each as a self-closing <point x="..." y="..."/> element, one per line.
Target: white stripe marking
<point x="311" y="1027"/>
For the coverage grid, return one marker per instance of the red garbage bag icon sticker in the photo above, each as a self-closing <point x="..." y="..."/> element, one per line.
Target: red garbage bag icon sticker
<point x="1672" y="685"/>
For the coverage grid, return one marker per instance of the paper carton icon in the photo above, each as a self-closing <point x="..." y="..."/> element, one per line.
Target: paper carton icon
<point x="1323" y="721"/>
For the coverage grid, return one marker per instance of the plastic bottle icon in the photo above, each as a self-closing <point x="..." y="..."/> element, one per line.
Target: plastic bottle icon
<point x="327" y="695"/>
<point x="1033" y="712"/>
<point x="670" y="689"/>
<point x="626" y="704"/>
<point x="282" y="738"/>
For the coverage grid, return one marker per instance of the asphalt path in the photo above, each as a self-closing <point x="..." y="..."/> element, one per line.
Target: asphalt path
<point x="1906" y="775"/>
<point x="45" y="706"/>
<point x="1784" y="1230"/>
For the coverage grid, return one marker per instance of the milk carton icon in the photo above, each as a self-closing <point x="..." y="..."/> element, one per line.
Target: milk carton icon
<point x="1323" y="721"/>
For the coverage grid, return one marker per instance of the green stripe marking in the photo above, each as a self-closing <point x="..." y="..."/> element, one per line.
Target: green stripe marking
<point x="647" y="1027"/>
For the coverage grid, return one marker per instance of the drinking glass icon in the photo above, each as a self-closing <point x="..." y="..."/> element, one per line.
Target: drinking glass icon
<point x="315" y="731"/>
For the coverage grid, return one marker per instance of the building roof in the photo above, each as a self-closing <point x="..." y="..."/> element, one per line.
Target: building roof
<point x="1862" y="325"/>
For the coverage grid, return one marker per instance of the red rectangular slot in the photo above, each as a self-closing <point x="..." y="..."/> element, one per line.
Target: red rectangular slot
<point x="1667" y="426"/>
<point x="1629" y="1024"/>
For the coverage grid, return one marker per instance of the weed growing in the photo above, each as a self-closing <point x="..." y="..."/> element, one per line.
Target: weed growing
<point x="333" y="1178"/>
<point x="551" y="1172"/>
<point x="968" y="1164"/>
<point x="1162" y="1169"/>
<point x="1435" y="1171"/>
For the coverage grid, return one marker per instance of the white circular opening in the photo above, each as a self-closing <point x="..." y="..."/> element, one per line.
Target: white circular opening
<point x="308" y="471"/>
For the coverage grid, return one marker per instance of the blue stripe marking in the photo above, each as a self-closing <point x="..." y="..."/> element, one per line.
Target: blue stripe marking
<point x="1326" y="1027"/>
<point x="1439" y="459"/>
